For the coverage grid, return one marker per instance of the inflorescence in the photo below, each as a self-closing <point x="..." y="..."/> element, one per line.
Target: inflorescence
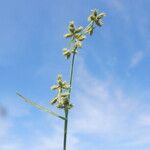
<point x="76" y="35"/>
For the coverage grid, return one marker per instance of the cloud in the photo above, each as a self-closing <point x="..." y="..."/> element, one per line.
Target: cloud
<point x="136" y="59"/>
<point x="4" y="127"/>
<point x="105" y="110"/>
<point x="10" y="146"/>
<point x="144" y="120"/>
<point x="102" y="110"/>
<point x="8" y="124"/>
<point x="117" y="4"/>
<point x="13" y="106"/>
<point x="54" y="142"/>
<point x="3" y="112"/>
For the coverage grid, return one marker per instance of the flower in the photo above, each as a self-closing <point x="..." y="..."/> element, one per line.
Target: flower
<point x="90" y="30"/>
<point x="96" y="17"/>
<point x="74" y="32"/>
<point x="66" y="53"/>
<point x="60" y="84"/>
<point x="62" y="98"/>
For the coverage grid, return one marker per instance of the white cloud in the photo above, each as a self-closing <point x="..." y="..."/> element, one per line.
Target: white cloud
<point x="136" y="59"/>
<point x="8" y="141"/>
<point x="117" y="4"/>
<point x="10" y="146"/>
<point x="104" y="109"/>
<point x="54" y="142"/>
<point x="14" y="106"/>
<point x="4" y="127"/>
<point x="144" y="120"/>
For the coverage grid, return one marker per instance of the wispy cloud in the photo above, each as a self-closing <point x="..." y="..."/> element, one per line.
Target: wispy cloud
<point x="136" y="59"/>
<point x="104" y="109"/>
<point x="54" y="142"/>
<point x="117" y="4"/>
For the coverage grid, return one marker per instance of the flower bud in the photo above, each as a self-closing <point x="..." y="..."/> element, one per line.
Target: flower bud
<point x="65" y="94"/>
<point x="71" y="24"/>
<point x="65" y="101"/>
<point x="53" y="101"/>
<point x="98" y="23"/>
<point x="101" y="15"/>
<point x="66" y="53"/>
<point x="90" y="30"/>
<point x="71" y="29"/>
<point x="81" y="38"/>
<point x="59" y="105"/>
<point x="78" y="44"/>
<point x="74" y="51"/>
<point x="68" y="35"/>
<point x="95" y="13"/>
<point x="59" y="79"/>
<point x="78" y="29"/>
<point x="54" y="87"/>
<point x="70" y="106"/>
<point x="65" y="85"/>
<point x="91" y="18"/>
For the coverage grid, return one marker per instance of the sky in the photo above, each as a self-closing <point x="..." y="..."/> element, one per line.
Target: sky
<point x="111" y="89"/>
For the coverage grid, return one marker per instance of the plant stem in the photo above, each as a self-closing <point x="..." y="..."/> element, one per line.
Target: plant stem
<point x="66" y="110"/>
<point x="71" y="73"/>
<point x="71" y="78"/>
<point x="65" y="129"/>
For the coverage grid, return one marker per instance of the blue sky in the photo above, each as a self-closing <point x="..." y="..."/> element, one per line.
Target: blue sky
<point x="111" y="83"/>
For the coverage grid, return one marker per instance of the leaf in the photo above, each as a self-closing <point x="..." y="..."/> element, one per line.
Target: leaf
<point x="40" y="107"/>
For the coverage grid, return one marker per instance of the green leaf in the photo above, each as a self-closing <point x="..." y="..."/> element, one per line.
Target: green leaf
<point x="40" y="107"/>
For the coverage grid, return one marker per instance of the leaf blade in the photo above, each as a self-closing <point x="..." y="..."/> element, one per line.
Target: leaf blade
<point x="39" y="106"/>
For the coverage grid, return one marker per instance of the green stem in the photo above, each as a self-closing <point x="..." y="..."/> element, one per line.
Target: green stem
<point x="66" y="110"/>
<point x="71" y="78"/>
<point x="65" y="130"/>
<point x="71" y="73"/>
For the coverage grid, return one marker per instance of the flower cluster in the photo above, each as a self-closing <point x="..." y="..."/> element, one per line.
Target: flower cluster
<point x="74" y="32"/>
<point x="78" y="34"/>
<point x="95" y="19"/>
<point x="62" y="97"/>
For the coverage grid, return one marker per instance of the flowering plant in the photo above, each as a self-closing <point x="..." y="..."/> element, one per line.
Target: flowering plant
<point x="76" y="36"/>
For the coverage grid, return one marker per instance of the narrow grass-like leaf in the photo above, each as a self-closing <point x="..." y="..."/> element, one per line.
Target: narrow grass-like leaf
<point x="40" y="107"/>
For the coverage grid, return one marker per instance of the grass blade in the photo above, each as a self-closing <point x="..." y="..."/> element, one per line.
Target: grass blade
<point x="40" y="107"/>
